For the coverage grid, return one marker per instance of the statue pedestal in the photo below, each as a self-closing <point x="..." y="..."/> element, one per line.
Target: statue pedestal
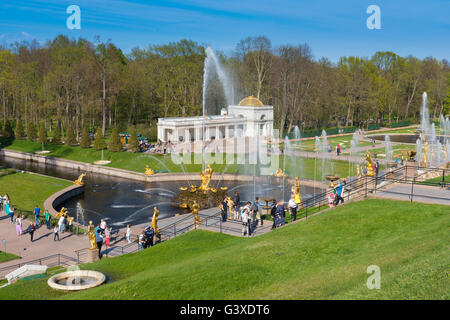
<point x="92" y="255"/>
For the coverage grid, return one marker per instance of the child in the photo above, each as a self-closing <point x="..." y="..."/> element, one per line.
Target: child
<point x="55" y="233"/>
<point x="19" y="225"/>
<point x="331" y="199"/>
<point x="128" y="233"/>
<point x="108" y="236"/>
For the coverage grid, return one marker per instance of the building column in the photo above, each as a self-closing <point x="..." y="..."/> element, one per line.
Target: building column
<point x="218" y="133"/>
<point x="227" y="131"/>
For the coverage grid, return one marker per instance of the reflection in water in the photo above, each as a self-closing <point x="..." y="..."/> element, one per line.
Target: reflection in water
<point x="122" y="201"/>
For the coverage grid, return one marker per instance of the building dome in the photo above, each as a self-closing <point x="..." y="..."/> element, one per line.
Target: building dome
<point x="251" y="101"/>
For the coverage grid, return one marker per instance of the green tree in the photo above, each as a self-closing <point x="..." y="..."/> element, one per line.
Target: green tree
<point x="57" y="136"/>
<point x="85" y="139"/>
<point x="31" y="133"/>
<point x="114" y="144"/>
<point x="42" y="134"/>
<point x="8" y="133"/>
<point x="70" y="137"/>
<point x="20" y="133"/>
<point x="99" y="142"/>
<point x="133" y="143"/>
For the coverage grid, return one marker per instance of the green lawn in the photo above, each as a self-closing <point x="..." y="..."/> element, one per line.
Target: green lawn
<point x="7" y="256"/>
<point x="437" y="180"/>
<point x="304" y="167"/>
<point x="28" y="190"/>
<point x="325" y="257"/>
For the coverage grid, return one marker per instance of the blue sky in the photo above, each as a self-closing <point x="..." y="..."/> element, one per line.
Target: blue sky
<point x="332" y="28"/>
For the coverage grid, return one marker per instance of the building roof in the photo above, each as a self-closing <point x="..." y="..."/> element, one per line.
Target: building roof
<point x="251" y="101"/>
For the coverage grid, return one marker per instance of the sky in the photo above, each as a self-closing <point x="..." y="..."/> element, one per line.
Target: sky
<point x="332" y="28"/>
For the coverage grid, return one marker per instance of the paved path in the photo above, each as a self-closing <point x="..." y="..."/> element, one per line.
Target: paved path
<point x="426" y="194"/>
<point x="43" y="244"/>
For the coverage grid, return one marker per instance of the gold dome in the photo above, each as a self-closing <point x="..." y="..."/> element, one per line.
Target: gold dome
<point x="251" y="101"/>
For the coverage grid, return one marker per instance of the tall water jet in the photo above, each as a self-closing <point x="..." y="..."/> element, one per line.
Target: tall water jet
<point x="324" y="151"/>
<point x="80" y="214"/>
<point x="425" y="116"/>
<point x="212" y="63"/>
<point x="388" y="148"/>
<point x="298" y="165"/>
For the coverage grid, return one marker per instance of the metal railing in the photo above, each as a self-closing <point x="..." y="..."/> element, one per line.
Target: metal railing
<point x="50" y="261"/>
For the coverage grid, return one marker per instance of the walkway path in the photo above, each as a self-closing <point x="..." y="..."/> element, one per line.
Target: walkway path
<point x="43" y="244"/>
<point x="426" y="194"/>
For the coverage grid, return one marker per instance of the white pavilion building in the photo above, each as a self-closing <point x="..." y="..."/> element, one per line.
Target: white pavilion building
<point x="249" y="118"/>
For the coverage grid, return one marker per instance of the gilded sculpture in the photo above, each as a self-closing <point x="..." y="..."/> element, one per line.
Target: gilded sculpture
<point x="79" y="181"/>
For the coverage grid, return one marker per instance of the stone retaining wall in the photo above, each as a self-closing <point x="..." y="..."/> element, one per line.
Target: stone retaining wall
<point x="121" y="173"/>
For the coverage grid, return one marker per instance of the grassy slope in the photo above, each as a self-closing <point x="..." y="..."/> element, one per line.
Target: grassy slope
<point x="325" y="257"/>
<point x="6" y="257"/>
<point x="138" y="161"/>
<point x="19" y="186"/>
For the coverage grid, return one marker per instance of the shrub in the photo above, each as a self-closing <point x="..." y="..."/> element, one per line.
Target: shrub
<point x="133" y="143"/>
<point x="85" y="139"/>
<point x="42" y="134"/>
<point x="70" y="137"/>
<point x="31" y="132"/>
<point x="57" y="135"/>
<point x="8" y="132"/>
<point x="114" y="144"/>
<point x="99" y="142"/>
<point x="20" y="132"/>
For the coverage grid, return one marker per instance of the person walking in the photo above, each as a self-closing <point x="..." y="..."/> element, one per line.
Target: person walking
<point x="237" y="202"/>
<point x="256" y="208"/>
<point x="99" y="240"/>
<point x="128" y="234"/>
<point x="6" y="204"/>
<point x="31" y="229"/>
<point x="279" y="214"/>
<point x="142" y="240"/>
<point x="61" y="224"/>
<point x="292" y="208"/>
<point x="37" y="211"/>
<point x="272" y="213"/>
<point x="331" y="198"/>
<point x="339" y="189"/>
<point x="19" y="225"/>
<point x="108" y="236"/>
<point x="47" y="217"/>
<point x="70" y="223"/>
<point x="224" y="210"/>
<point x="245" y="222"/>
<point x="55" y="233"/>
<point x="11" y="214"/>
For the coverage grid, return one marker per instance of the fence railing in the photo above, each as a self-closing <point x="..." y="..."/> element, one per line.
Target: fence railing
<point x="50" y="261"/>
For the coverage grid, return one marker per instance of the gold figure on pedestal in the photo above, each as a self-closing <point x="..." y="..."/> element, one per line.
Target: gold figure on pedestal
<point x="194" y="208"/>
<point x="425" y="154"/>
<point x="280" y="173"/>
<point x="296" y="191"/>
<point x="206" y="178"/>
<point x="92" y="238"/>
<point x="79" y="181"/>
<point x="149" y="171"/>
<point x="230" y="204"/>
<point x="63" y="212"/>
<point x="155" y="220"/>
<point x="370" y="172"/>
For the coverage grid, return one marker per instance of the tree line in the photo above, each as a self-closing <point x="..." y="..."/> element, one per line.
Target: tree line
<point x="70" y="85"/>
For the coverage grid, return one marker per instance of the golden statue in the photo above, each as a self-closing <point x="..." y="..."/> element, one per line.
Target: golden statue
<point x="296" y="191"/>
<point x="155" y="220"/>
<point x="280" y="173"/>
<point x="92" y="237"/>
<point x="370" y="172"/>
<point x="193" y="188"/>
<point x="63" y="212"/>
<point x="206" y="178"/>
<point x="444" y="152"/>
<point x="195" y="207"/>
<point x="230" y="204"/>
<point x="358" y="171"/>
<point x="425" y="154"/>
<point x="79" y="181"/>
<point x="149" y="171"/>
